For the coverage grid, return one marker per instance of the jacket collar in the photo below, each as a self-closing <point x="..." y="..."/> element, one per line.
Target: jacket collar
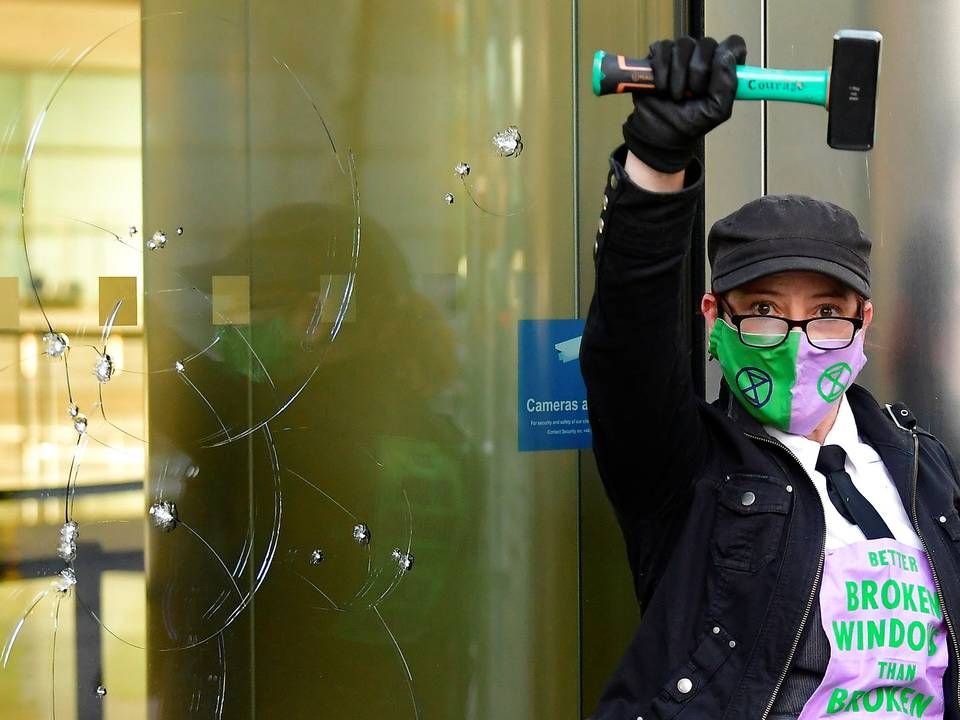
<point x="874" y="423"/>
<point x="893" y="444"/>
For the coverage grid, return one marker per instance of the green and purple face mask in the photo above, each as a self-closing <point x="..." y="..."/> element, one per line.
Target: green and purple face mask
<point x="791" y="386"/>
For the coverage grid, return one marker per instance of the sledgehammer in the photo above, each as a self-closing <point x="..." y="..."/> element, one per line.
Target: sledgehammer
<point x="848" y="89"/>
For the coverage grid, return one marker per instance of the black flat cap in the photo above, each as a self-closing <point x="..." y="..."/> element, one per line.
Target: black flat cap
<point x="777" y="233"/>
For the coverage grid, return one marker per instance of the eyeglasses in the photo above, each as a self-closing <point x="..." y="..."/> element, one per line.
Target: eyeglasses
<point x="768" y="331"/>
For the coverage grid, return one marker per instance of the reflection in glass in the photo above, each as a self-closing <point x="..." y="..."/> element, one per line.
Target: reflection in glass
<point x="259" y="426"/>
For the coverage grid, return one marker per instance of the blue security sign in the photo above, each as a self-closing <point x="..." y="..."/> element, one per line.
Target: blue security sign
<point x="552" y="412"/>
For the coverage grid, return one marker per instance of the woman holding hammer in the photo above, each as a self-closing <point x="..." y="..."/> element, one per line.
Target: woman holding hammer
<point x="795" y="546"/>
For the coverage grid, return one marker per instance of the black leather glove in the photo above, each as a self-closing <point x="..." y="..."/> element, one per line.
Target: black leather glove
<point x="696" y="83"/>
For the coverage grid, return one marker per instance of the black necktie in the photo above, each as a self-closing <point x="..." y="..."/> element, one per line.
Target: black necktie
<point x="846" y="498"/>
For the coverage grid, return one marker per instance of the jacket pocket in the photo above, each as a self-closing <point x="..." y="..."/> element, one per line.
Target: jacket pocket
<point x="686" y="682"/>
<point x="750" y="518"/>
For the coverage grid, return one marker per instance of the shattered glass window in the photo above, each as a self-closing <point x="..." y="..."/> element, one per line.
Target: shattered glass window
<point x="261" y="270"/>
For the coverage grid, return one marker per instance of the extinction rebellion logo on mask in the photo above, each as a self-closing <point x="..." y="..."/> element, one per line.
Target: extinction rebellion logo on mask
<point x="834" y="381"/>
<point x="755" y="385"/>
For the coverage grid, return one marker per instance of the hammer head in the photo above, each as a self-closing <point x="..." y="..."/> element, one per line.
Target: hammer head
<point x="853" y="89"/>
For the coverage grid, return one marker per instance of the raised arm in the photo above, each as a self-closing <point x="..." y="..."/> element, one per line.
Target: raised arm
<point x="649" y="438"/>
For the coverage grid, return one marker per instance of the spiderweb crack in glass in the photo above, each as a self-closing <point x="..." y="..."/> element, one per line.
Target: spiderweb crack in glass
<point x="404" y="560"/>
<point x="361" y="533"/>
<point x="66" y="580"/>
<point x="55" y="344"/>
<point x="164" y="515"/>
<point x="103" y="369"/>
<point x="507" y="142"/>
<point x="67" y="549"/>
<point x="241" y="573"/>
<point x="158" y="241"/>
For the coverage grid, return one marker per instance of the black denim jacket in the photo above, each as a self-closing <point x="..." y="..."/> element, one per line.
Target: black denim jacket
<point x="725" y="587"/>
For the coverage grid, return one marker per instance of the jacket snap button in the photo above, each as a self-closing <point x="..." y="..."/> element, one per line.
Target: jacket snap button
<point x="614" y="182"/>
<point x="943" y="518"/>
<point x="606" y="201"/>
<point x="684" y="685"/>
<point x="733" y="643"/>
<point x="748" y="498"/>
<point x="789" y="488"/>
<point x="596" y="248"/>
<point x="716" y="630"/>
<point x="600" y="225"/>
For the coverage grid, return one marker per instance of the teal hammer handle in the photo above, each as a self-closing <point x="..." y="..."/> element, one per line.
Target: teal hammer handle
<point x="803" y="86"/>
<point x="614" y="74"/>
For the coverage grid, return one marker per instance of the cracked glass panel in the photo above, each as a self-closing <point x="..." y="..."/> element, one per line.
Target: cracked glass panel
<point x="262" y="269"/>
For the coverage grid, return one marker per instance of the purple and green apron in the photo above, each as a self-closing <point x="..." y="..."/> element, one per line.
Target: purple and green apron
<point x="888" y="641"/>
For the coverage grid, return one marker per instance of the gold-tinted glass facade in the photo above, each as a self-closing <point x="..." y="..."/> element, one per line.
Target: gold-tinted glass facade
<point x="259" y="342"/>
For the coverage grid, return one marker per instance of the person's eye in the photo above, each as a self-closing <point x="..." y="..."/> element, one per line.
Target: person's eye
<point x="762" y="308"/>
<point x="829" y="311"/>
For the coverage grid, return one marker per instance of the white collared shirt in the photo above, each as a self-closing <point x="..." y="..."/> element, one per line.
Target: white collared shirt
<point x="868" y="473"/>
